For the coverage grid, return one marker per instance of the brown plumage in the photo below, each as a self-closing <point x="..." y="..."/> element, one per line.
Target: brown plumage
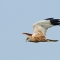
<point x="37" y="36"/>
<point x="39" y="30"/>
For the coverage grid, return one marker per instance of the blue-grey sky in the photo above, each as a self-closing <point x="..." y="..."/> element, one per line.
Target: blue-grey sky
<point x="17" y="16"/>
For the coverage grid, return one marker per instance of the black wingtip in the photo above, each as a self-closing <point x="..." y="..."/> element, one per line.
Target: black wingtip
<point x="54" y="21"/>
<point x="49" y="18"/>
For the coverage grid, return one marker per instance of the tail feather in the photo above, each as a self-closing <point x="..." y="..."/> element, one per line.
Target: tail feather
<point x="49" y="40"/>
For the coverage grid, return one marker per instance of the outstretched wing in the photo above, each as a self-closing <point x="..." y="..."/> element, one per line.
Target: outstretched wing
<point x="43" y="25"/>
<point x="38" y="30"/>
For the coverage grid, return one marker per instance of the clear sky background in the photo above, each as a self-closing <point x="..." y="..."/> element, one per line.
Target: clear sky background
<point x="17" y="16"/>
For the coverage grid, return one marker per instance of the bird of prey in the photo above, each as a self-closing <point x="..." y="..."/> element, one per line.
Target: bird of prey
<point x="40" y="28"/>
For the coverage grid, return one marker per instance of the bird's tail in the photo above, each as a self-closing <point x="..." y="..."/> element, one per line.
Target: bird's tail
<point x="49" y="40"/>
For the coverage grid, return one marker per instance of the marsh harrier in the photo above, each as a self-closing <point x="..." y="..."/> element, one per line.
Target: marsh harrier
<point x="40" y="28"/>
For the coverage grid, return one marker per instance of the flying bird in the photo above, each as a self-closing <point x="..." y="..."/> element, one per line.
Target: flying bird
<point x="40" y="29"/>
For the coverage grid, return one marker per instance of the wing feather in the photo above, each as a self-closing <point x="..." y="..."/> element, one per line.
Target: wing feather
<point x="41" y="27"/>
